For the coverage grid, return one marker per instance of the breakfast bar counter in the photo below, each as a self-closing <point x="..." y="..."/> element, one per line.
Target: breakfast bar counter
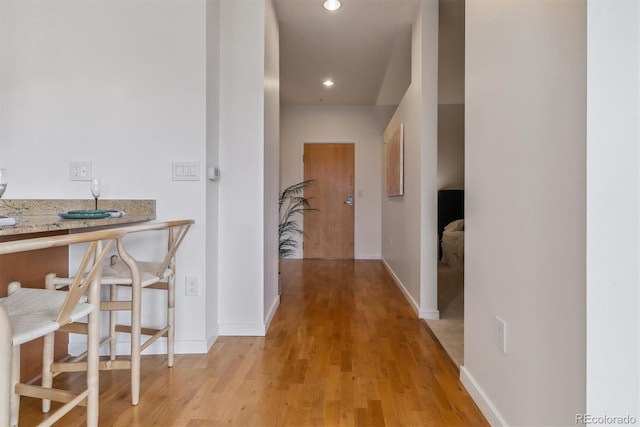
<point x="39" y="218"/>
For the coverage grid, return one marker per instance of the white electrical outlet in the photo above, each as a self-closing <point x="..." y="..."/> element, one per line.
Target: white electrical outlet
<point x="501" y="335"/>
<point x="191" y="286"/>
<point x="79" y="171"/>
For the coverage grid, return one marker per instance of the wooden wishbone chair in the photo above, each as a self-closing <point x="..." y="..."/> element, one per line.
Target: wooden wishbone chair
<point x="27" y="314"/>
<point x="138" y="275"/>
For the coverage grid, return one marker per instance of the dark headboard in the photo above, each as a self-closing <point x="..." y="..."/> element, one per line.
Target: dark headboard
<point x="450" y="208"/>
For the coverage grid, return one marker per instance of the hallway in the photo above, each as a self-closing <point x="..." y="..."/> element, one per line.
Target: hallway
<point x="344" y="348"/>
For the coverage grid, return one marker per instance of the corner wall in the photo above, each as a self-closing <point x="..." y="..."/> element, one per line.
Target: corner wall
<point x="271" y="161"/>
<point x="409" y="223"/>
<point x="613" y="209"/>
<point x="241" y="244"/>
<point x="525" y="257"/>
<point x="213" y="147"/>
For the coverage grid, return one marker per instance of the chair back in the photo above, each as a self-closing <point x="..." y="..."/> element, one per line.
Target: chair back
<point x="100" y="242"/>
<point x="177" y="231"/>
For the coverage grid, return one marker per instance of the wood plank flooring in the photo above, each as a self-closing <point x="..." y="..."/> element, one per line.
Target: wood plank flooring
<point x="344" y="348"/>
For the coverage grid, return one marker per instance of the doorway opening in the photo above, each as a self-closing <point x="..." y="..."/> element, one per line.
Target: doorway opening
<point x="449" y="330"/>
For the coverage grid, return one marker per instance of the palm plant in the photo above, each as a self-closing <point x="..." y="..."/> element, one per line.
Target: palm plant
<point x="291" y="204"/>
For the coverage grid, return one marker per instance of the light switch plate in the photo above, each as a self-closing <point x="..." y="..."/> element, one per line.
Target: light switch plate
<point x="185" y="171"/>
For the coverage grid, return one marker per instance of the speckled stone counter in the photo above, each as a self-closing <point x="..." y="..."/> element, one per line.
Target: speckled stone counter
<point x="35" y="216"/>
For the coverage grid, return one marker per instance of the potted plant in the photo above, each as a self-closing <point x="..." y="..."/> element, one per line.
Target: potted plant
<point x="291" y="204"/>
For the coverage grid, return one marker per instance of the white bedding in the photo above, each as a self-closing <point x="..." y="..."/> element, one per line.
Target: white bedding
<point x="453" y="244"/>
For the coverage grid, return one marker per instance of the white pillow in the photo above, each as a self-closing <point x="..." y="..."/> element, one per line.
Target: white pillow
<point x="457" y="225"/>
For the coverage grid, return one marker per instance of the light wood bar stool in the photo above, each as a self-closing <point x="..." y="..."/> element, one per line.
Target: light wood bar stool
<point x="124" y="271"/>
<point x="27" y="314"/>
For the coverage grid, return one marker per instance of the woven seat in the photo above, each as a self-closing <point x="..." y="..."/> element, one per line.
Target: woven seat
<point x="30" y="313"/>
<point x="119" y="273"/>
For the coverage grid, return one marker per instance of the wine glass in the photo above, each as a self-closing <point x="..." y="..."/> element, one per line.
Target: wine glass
<point x="4" y="177"/>
<point x="96" y="189"/>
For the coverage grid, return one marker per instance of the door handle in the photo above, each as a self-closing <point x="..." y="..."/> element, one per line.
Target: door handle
<point x="349" y="201"/>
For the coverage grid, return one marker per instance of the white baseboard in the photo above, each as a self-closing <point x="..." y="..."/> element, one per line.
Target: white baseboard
<point x="272" y="312"/>
<point x="368" y="257"/>
<point x="409" y="298"/>
<point x="478" y="395"/>
<point x="191" y="347"/>
<point x="212" y="339"/>
<point x="430" y="314"/>
<point x="243" y="330"/>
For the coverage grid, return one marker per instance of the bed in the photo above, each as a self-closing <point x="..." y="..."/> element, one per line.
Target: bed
<point x="453" y="244"/>
<point x="451" y="227"/>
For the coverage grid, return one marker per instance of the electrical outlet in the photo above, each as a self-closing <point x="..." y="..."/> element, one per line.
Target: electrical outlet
<point x="191" y="286"/>
<point x="501" y="335"/>
<point x="79" y="171"/>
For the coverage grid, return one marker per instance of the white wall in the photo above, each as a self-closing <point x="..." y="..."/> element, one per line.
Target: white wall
<point x="613" y="209"/>
<point x="355" y="124"/>
<point x="241" y="234"/>
<point x="271" y="161"/>
<point x="429" y="162"/>
<point x="451" y="52"/>
<point x="401" y="214"/>
<point x="213" y="146"/>
<point x="451" y="94"/>
<point x="397" y="76"/>
<point x="409" y="237"/>
<point x="121" y="84"/>
<point x="451" y="146"/>
<point x="526" y="209"/>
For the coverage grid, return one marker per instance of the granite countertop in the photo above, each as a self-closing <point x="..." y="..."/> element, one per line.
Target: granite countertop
<point x="35" y="216"/>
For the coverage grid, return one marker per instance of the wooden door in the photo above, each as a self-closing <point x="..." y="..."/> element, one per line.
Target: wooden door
<point x="329" y="231"/>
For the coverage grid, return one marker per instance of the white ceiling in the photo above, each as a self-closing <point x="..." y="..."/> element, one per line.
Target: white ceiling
<point x="365" y="47"/>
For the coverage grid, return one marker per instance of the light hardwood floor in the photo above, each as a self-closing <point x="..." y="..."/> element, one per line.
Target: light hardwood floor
<point x="344" y="348"/>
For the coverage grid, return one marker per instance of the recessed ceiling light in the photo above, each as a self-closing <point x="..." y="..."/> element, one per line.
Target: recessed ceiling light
<point x="332" y="5"/>
<point x="328" y="83"/>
